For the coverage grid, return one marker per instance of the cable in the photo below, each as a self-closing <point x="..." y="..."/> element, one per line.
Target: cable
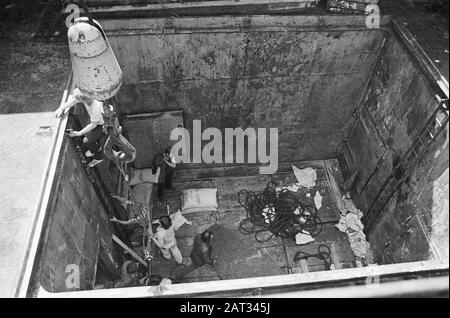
<point x="280" y="213"/>
<point x="321" y="254"/>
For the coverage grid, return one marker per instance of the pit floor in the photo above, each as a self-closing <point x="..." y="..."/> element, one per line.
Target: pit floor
<point x="251" y="258"/>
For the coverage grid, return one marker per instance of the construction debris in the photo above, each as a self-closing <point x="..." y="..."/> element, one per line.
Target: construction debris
<point x="350" y="223"/>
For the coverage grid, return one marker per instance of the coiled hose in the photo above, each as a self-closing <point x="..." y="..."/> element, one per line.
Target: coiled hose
<point x="280" y="213"/>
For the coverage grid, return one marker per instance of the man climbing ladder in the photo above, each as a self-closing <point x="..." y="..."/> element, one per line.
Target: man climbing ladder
<point x="93" y="132"/>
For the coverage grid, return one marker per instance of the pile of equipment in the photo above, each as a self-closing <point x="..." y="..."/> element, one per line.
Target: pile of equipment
<point x="281" y="213"/>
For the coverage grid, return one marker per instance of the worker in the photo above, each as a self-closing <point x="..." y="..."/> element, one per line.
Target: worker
<point x="201" y="253"/>
<point x="118" y="147"/>
<point x="166" y="162"/>
<point x="164" y="238"/>
<point x="120" y="150"/>
<point x="140" y="217"/>
<point x="93" y="132"/>
<point x="130" y="276"/>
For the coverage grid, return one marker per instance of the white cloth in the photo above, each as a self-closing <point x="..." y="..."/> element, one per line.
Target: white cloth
<point x="342" y="225"/>
<point x="302" y="239"/>
<point x="353" y="222"/>
<point x="358" y="244"/>
<point x="268" y="215"/>
<point x="292" y="188"/>
<point x="95" y="111"/>
<point x="178" y="220"/>
<point x="306" y="177"/>
<point x="318" y="200"/>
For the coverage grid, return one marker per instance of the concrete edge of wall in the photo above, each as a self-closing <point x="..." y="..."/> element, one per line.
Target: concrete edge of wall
<point x="45" y="193"/>
<point x="419" y="56"/>
<point x="366" y="275"/>
<point x="249" y="22"/>
<point x="427" y="287"/>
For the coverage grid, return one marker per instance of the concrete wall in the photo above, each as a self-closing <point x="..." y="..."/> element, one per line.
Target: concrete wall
<point x="304" y="78"/>
<point x="78" y="230"/>
<point x="413" y="224"/>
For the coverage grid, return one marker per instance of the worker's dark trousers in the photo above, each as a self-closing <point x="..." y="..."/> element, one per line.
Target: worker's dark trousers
<point x="94" y="142"/>
<point x="167" y="181"/>
<point x="119" y="143"/>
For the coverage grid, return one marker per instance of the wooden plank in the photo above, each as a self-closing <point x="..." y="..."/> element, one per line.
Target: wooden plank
<point x="129" y="250"/>
<point x="194" y="172"/>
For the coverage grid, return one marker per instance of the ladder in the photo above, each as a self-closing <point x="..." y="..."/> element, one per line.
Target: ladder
<point x="432" y="128"/>
<point x="430" y="131"/>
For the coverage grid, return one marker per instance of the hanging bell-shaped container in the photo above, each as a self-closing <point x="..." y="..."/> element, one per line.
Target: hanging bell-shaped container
<point x="96" y="71"/>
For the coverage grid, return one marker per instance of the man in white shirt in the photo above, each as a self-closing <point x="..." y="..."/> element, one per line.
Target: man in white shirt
<point x="93" y="132"/>
<point x="164" y="238"/>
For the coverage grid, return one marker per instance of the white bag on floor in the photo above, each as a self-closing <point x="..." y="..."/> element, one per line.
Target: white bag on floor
<point x="306" y="177"/>
<point x="199" y="200"/>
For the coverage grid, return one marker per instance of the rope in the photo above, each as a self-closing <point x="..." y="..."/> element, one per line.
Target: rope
<point x="280" y="213"/>
<point x="321" y="254"/>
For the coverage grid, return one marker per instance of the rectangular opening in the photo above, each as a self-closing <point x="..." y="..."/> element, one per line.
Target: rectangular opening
<point x="348" y="101"/>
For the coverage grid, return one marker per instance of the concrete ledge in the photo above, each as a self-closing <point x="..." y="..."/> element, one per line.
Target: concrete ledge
<point x="271" y="284"/>
<point x="144" y="25"/>
<point x="202" y="8"/>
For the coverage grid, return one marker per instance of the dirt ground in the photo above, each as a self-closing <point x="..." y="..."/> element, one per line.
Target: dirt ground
<point x="34" y="59"/>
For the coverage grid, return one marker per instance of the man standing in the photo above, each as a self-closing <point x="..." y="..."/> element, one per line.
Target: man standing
<point x="164" y="238"/>
<point x="201" y="253"/>
<point x="141" y="218"/>
<point x="165" y="161"/>
<point x="93" y="132"/>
